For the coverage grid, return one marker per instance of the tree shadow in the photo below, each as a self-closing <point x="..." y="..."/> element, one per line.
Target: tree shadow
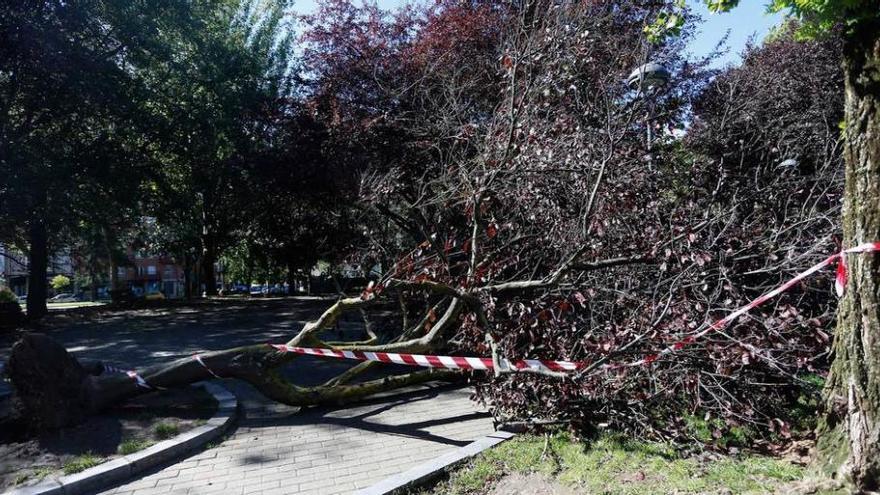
<point x="372" y="407"/>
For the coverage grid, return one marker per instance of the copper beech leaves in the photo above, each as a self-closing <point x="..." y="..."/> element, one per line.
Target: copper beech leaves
<point x="491" y="178"/>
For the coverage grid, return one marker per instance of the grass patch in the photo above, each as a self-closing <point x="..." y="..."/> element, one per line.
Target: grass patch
<point x="36" y="474"/>
<point x="133" y="445"/>
<point x="615" y="465"/>
<point x="81" y="463"/>
<point x="165" y="430"/>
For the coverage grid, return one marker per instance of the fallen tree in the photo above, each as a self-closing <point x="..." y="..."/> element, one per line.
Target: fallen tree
<point x="554" y="216"/>
<point x="54" y="389"/>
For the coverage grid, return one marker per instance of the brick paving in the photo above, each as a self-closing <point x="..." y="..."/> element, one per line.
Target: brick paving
<point x="277" y="449"/>
<point x="325" y="451"/>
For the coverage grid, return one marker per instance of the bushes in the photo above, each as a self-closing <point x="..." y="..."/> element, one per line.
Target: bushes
<point x="11" y="315"/>
<point x="6" y="296"/>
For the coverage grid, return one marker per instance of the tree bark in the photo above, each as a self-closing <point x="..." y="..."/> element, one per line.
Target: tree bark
<point x="93" y="277"/>
<point x="187" y="277"/>
<point x="56" y="390"/>
<point x="209" y="257"/>
<point x="291" y="278"/>
<point x="848" y="444"/>
<point x="38" y="265"/>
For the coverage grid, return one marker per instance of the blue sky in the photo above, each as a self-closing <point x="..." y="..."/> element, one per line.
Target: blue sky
<point x="749" y="19"/>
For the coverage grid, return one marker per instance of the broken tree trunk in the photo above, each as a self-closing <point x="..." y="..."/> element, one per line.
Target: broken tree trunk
<point x="56" y="390"/>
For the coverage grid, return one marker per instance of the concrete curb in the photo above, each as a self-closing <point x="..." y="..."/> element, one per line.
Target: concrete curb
<point x="424" y="473"/>
<point x="122" y="468"/>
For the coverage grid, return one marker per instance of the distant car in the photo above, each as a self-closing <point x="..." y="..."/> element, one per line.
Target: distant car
<point x="257" y="290"/>
<point x="22" y="299"/>
<point x="154" y="296"/>
<point x="64" y="297"/>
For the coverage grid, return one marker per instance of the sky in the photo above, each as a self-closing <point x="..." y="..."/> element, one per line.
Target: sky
<point x="747" y="20"/>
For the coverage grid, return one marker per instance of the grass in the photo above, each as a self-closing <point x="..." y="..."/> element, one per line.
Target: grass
<point x="614" y="465"/>
<point x="81" y="463"/>
<point x="165" y="430"/>
<point x="36" y="474"/>
<point x="133" y="445"/>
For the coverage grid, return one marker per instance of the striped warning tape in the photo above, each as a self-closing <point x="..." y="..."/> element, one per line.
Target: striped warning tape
<point x="138" y="379"/>
<point x="198" y="359"/>
<point x="142" y="382"/>
<point x="482" y="363"/>
<point x="426" y="361"/>
<point x="839" y="286"/>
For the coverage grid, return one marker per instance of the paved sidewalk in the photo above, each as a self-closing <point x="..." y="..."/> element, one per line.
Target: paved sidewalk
<point x="324" y="451"/>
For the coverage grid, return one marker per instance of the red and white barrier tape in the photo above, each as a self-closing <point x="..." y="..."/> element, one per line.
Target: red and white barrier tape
<point x="142" y="382"/>
<point x="839" y="286"/>
<point x="447" y="362"/>
<point x="138" y="379"/>
<point x="198" y="358"/>
<point x="482" y="363"/>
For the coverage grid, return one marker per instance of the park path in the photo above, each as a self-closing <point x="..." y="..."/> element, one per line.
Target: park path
<point x="324" y="451"/>
<point x="277" y="449"/>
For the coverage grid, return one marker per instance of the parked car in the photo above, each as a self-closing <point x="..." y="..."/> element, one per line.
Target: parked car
<point x="22" y="299"/>
<point x="257" y="290"/>
<point x="154" y="296"/>
<point x="64" y="297"/>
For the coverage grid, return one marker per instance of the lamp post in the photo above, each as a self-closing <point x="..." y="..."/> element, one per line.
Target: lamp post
<point x="647" y="78"/>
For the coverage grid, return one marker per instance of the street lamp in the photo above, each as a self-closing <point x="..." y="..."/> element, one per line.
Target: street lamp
<point x="647" y="76"/>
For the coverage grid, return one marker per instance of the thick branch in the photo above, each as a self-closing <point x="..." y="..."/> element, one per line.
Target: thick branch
<point x="554" y="280"/>
<point x="327" y="319"/>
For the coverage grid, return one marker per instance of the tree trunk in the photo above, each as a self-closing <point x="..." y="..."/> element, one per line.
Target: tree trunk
<point x="187" y="277"/>
<point x="209" y="257"/>
<point x="291" y="278"/>
<point x="56" y="390"/>
<point x="93" y="278"/>
<point x="38" y="265"/>
<point x="849" y="431"/>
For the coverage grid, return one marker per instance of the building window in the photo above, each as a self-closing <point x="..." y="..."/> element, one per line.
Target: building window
<point x="151" y="270"/>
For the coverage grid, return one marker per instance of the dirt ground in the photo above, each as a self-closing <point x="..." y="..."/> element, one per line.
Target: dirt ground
<point x="134" y="425"/>
<point x="529" y="484"/>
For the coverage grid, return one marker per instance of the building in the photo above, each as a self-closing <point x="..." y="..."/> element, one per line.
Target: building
<point x="14" y="268"/>
<point x="148" y="275"/>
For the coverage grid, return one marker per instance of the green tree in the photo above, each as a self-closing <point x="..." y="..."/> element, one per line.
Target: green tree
<point x="60" y="283"/>
<point x="848" y="444"/>
<point x="75" y="138"/>
<point x="217" y="98"/>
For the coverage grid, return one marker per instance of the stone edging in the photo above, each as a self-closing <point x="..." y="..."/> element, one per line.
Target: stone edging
<point x="122" y="468"/>
<point x="426" y="472"/>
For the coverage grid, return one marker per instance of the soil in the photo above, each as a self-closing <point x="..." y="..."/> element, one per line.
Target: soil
<point x="27" y="460"/>
<point x="529" y="484"/>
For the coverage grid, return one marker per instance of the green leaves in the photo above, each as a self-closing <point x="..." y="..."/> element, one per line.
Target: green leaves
<point x="719" y="6"/>
<point x="817" y="17"/>
<point x="667" y="23"/>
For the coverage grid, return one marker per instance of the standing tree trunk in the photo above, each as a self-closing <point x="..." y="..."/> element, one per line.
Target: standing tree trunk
<point x="38" y="265"/>
<point x="187" y="277"/>
<point x="93" y="277"/>
<point x="291" y="278"/>
<point x="849" y="431"/>
<point x="209" y="257"/>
